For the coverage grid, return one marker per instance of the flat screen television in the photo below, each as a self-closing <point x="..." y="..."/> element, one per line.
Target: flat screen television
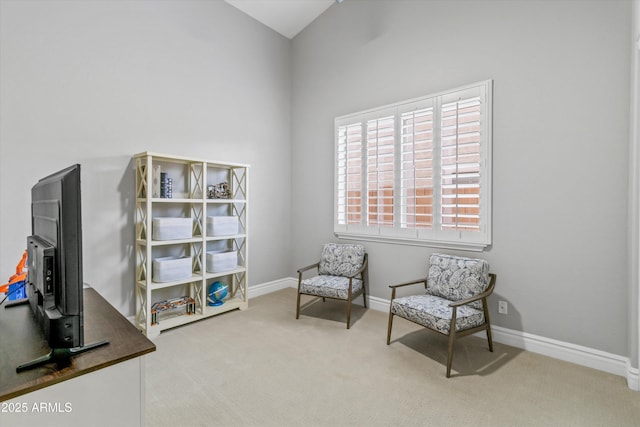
<point x="54" y="259"/>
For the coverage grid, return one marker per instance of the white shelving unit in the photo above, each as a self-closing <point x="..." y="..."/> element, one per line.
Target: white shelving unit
<point x="191" y="179"/>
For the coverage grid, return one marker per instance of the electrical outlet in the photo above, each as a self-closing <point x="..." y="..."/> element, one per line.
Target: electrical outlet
<point x="502" y="307"/>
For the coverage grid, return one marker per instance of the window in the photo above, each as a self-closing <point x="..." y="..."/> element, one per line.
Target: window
<point x="418" y="171"/>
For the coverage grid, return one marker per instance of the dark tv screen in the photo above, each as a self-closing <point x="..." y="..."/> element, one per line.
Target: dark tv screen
<point x="55" y="283"/>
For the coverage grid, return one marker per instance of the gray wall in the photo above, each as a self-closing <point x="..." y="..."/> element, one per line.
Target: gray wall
<point x="561" y="73"/>
<point x="96" y="82"/>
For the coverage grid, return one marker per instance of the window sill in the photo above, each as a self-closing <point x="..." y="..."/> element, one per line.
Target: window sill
<point x="463" y="246"/>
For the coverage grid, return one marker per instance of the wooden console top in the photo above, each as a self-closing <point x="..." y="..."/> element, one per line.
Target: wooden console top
<point x="21" y="341"/>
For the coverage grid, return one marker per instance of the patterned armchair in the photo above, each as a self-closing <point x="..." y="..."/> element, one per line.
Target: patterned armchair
<point x="342" y="275"/>
<point x="455" y="301"/>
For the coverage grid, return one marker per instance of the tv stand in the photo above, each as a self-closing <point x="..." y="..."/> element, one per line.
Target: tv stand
<point x="116" y="369"/>
<point x="60" y="356"/>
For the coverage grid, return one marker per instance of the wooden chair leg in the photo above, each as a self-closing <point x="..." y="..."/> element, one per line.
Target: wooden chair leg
<point x="364" y="296"/>
<point x="486" y="319"/>
<point x="348" y="313"/>
<point x="452" y="337"/>
<point x="389" y="327"/>
<point x="393" y="296"/>
<point x="298" y="302"/>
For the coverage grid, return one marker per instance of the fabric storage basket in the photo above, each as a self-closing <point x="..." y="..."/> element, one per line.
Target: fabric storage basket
<point x="221" y="261"/>
<point x="222" y="225"/>
<point x="172" y="228"/>
<point x="169" y="269"/>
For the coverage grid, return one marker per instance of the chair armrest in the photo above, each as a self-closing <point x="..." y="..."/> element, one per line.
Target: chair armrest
<point x="489" y="291"/>
<point x="468" y="300"/>
<point x="362" y="268"/>
<point x="399" y="285"/>
<point x="309" y="267"/>
<point x="413" y="282"/>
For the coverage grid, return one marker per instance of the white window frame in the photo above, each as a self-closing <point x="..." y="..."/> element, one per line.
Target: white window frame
<point x="476" y="240"/>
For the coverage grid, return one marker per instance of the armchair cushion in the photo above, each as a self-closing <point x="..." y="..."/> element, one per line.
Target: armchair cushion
<point x="341" y="259"/>
<point x="330" y="286"/>
<point x="455" y="278"/>
<point x="434" y="313"/>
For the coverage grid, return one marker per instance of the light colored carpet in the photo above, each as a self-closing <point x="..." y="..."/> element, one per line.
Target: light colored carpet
<point x="262" y="367"/>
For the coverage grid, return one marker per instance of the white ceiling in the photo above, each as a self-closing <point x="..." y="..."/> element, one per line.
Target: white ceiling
<point x="288" y="17"/>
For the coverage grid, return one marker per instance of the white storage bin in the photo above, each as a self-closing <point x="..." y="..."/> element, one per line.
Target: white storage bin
<point x="221" y="261"/>
<point x="169" y="269"/>
<point x="172" y="228"/>
<point x="222" y="225"/>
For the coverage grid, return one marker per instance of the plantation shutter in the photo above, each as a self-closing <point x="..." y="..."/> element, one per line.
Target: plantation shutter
<point x="460" y="161"/>
<point x="417" y="172"/>
<point x="380" y="171"/>
<point x="416" y="166"/>
<point x="349" y="174"/>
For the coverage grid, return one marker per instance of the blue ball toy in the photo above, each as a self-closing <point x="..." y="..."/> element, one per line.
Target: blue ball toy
<point x="216" y="294"/>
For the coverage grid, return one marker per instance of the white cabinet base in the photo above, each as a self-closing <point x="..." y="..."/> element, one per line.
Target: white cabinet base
<point x="108" y="397"/>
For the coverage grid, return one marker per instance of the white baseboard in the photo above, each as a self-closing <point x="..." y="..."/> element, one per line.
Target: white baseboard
<point x="633" y="377"/>
<point x="580" y="355"/>
<point x="276" y="285"/>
